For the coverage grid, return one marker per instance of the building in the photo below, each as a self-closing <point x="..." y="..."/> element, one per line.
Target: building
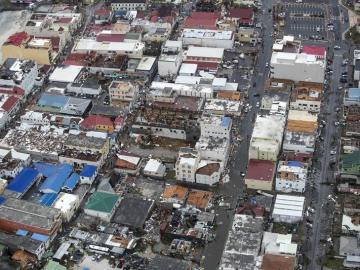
<point x="297" y="67"/>
<point x="352" y="97"/>
<point x="278" y="244"/>
<point x="32" y="217"/>
<point x="241" y="16"/>
<point x="260" y="174"/>
<point x="18" y="73"/>
<point x="102" y="205"/>
<point x="154" y="168"/>
<point x="222" y="107"/>
<point x="122" y="91"/>
<point x="202" y="20"/>
<point x="20" y="45"/>
<point x="243" y="243"/>
<point x="22" y="182"/>
<point x="215" y="126"/>
<point x="298" y="146"/>
<point x="350" y="163"/>
<point x="128" y="5"/>
<point x="318" y="51"/>
<point x="97" y="123"/>
<point x="204" y="54"/>
<point x="273" y="262"/>
<point x="174" y="194"/>
<point x="302" y="121"/>
<point x="291" y="176"/>
<point x="208" y="172"/>
<point x="164" y="262"/>
<point x="212" y="148"/>
<point x="248" y="35"/>
<point x="131" y="49"/>
<point x="288" y="209"/>
<point x="306" y="98"/>
<point x="350" y="250"/>
<point x="127" y="163"/>
<point x="170" y="59"/>
<point x="208" y="38"/>
<point x="68" y="204"/>
<point x="266" y="139"/>
<point x="168" y="92"/>
<point x="88" y="174"/>
<point x="187" y="164"/>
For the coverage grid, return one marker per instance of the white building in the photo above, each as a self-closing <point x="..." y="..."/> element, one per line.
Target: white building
<point x="170" y="59"/>
<point x="215" y="126"/>
<point x="187" y="164"/>
<point x="67" y="204"/>
<point x="188" y="69"/>
<point x="154" y="168"/>
<point x="216" y="149"/>
<point x="278" y="244"/>
<point x="208" y="172"/>
<point x="160" y="90"/>
<point x="297" y="67"/>
<point x="288" y="209"/>
<point x="265" y="143"/>
<point x="131" y="49"/>
<point x="208" y="38"/>
<point x="122" y="91"/>
<point x="204" y="54"/>
<point x="35" y="118"/>
<point x="128" y="5"/>
<point x="291" y="176"/>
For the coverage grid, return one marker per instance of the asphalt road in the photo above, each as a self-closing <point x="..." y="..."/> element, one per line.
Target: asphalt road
<point x="319" y="199"/>
<point x="233" y="190"/>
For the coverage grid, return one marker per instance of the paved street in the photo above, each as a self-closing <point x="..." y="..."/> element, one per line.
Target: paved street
<point x="234" y="189"/>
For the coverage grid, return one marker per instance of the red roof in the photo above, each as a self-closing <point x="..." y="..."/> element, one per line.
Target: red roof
<point x="314" y="50"/>
<point x="17" y="38"/>
<point x="202" y="20"/>
<point x="92" y="121"/>
<point x="76" y="59"/>
<point x="64" y="20"/>
<point x="102" y="11"/>
<point x="262" y="170"/>
<point x="16" y="91"/>
<point x="110" y="37"/>
<point x="241" y="13"/>
<point x="9" y="103"/>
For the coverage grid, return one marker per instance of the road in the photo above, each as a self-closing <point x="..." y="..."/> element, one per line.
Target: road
<point x="233" y="190"/>
<point x="321" y="220"/>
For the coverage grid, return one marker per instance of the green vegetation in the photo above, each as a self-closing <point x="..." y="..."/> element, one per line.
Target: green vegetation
<point x="332" y="263"/>
<point x="353" y="35"/>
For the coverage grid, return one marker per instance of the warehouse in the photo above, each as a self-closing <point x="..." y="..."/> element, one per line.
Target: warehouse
<point x="102" y="205"/>
<point x="208" y="38"/>
<point x="23" y="182"/>
<point x="288" y="209"/>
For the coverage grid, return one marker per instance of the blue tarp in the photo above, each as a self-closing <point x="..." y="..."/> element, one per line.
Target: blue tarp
<point x="225" y="121"/>
<point x="56" y="176"/>
<point x="40" y="237"/>
<point x="2" y="199"/>
<point x="21" y="232"/>
<point x="88" y="171"/>
<point x="71" y="182"/>
<point x="24" y="180"/>
<point x="47" y="199"/>
<point x="55" y="101"/>
<point x="295" y="164"/>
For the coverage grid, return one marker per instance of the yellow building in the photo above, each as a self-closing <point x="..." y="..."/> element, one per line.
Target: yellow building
<point x="23" y="46"/>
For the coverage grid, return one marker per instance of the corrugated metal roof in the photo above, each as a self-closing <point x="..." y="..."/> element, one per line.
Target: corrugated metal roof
<point x="23" y="180"/>
<point x="48" y="199"/>
<point x="71" y="182"/>
<point x="88" y="171"/>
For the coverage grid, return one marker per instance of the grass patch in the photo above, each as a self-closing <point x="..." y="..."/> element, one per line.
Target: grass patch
<point x="170" y="174"/>
<point x="332" y="263"/>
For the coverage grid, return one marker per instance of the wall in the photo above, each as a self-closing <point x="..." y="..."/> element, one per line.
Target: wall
<point x="258" y="184"/>
<point x="208" y="179"/>
<point x="306" y="105"/>
<point x="40" y="56"/>
<point x="169" y="67"/>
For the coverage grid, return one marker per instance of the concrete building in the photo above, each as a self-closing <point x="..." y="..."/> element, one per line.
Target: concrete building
<point x="154" y="168"/>
<point x="204" y="54"/>
<point x="127" y="163"/>
<point x="212" y="148"/>
<point x="166" y="92"/>
<point x="208" y="38"/>
<point x="278" y="244"/>
<point x="23" y="46"/>
<point x="243" y="243"/>
<point x="68" y="204"/>
<point x="302" y="121"/>
<point x="306" y="98"/>
<point x="260" y="174"/>
<point x="350" y="250"/>
<point x="187" y="164"/>
<point x="122" y="91"/>
<point x="291" y="176"/>
<point x="265" y="143"/>
<point x="297" y="67"/>
<point x="128" y="5"/>
<point x="102" y="205"/>
<point x="19" y="73"/>
<point x="208" y="172"/>
<point x="298" y="146"/>
<point x="215" y="126"/>
<point x="170" y="59"/>
<point x="352" y="97"/>
<point x="288" y="209"/>
<point x="131" y="49"/>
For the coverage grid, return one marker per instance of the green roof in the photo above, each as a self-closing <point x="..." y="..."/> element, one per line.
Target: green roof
<point x="51" y="265"/>
<point x="102" y="201"/>
<point x="351" y="160"/>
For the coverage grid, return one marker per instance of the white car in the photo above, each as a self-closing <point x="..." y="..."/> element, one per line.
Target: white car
<point x="332" y="152"/>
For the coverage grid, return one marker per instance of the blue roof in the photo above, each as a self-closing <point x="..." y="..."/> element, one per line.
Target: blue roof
<point x="55" y="101"/>
<point x="225" y="121"/>
<point x="295" y="164"/>
<point x="71" y="182"/>
<point x="2" y="199"/>
<point x="47" y="199"/>
<point x="21" y="232"/>
<point x="88" y="170"/>
<point x="23" y="181"/>
<point x="56" y="176"/>
<point x="40" y="237"/>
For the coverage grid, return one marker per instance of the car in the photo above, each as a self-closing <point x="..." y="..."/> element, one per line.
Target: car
<point x="267" y="64"/>
<point x="337" y="47"/>
<point x="256" y="95"/>
<point x="257" y="104"/>
<point x="343" y="80"/>
<point x="336" y="123"/>
<point x="332" y="152"/>
<point x="242" y="174"/>
<point x="311" y="210"/>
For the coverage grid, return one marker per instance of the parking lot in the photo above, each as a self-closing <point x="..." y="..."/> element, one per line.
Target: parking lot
<point x="306" y="1"/>
<point x="311" y="10"/>
<point x="305" y="27"/>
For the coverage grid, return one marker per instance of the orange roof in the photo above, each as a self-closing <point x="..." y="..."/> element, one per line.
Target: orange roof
<point x="199" y="198"/>
<point x="123" y="164"/>
<point x="175" y="191"/>
<point x="275" y="262"/>
<point x="209" y="169"/>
